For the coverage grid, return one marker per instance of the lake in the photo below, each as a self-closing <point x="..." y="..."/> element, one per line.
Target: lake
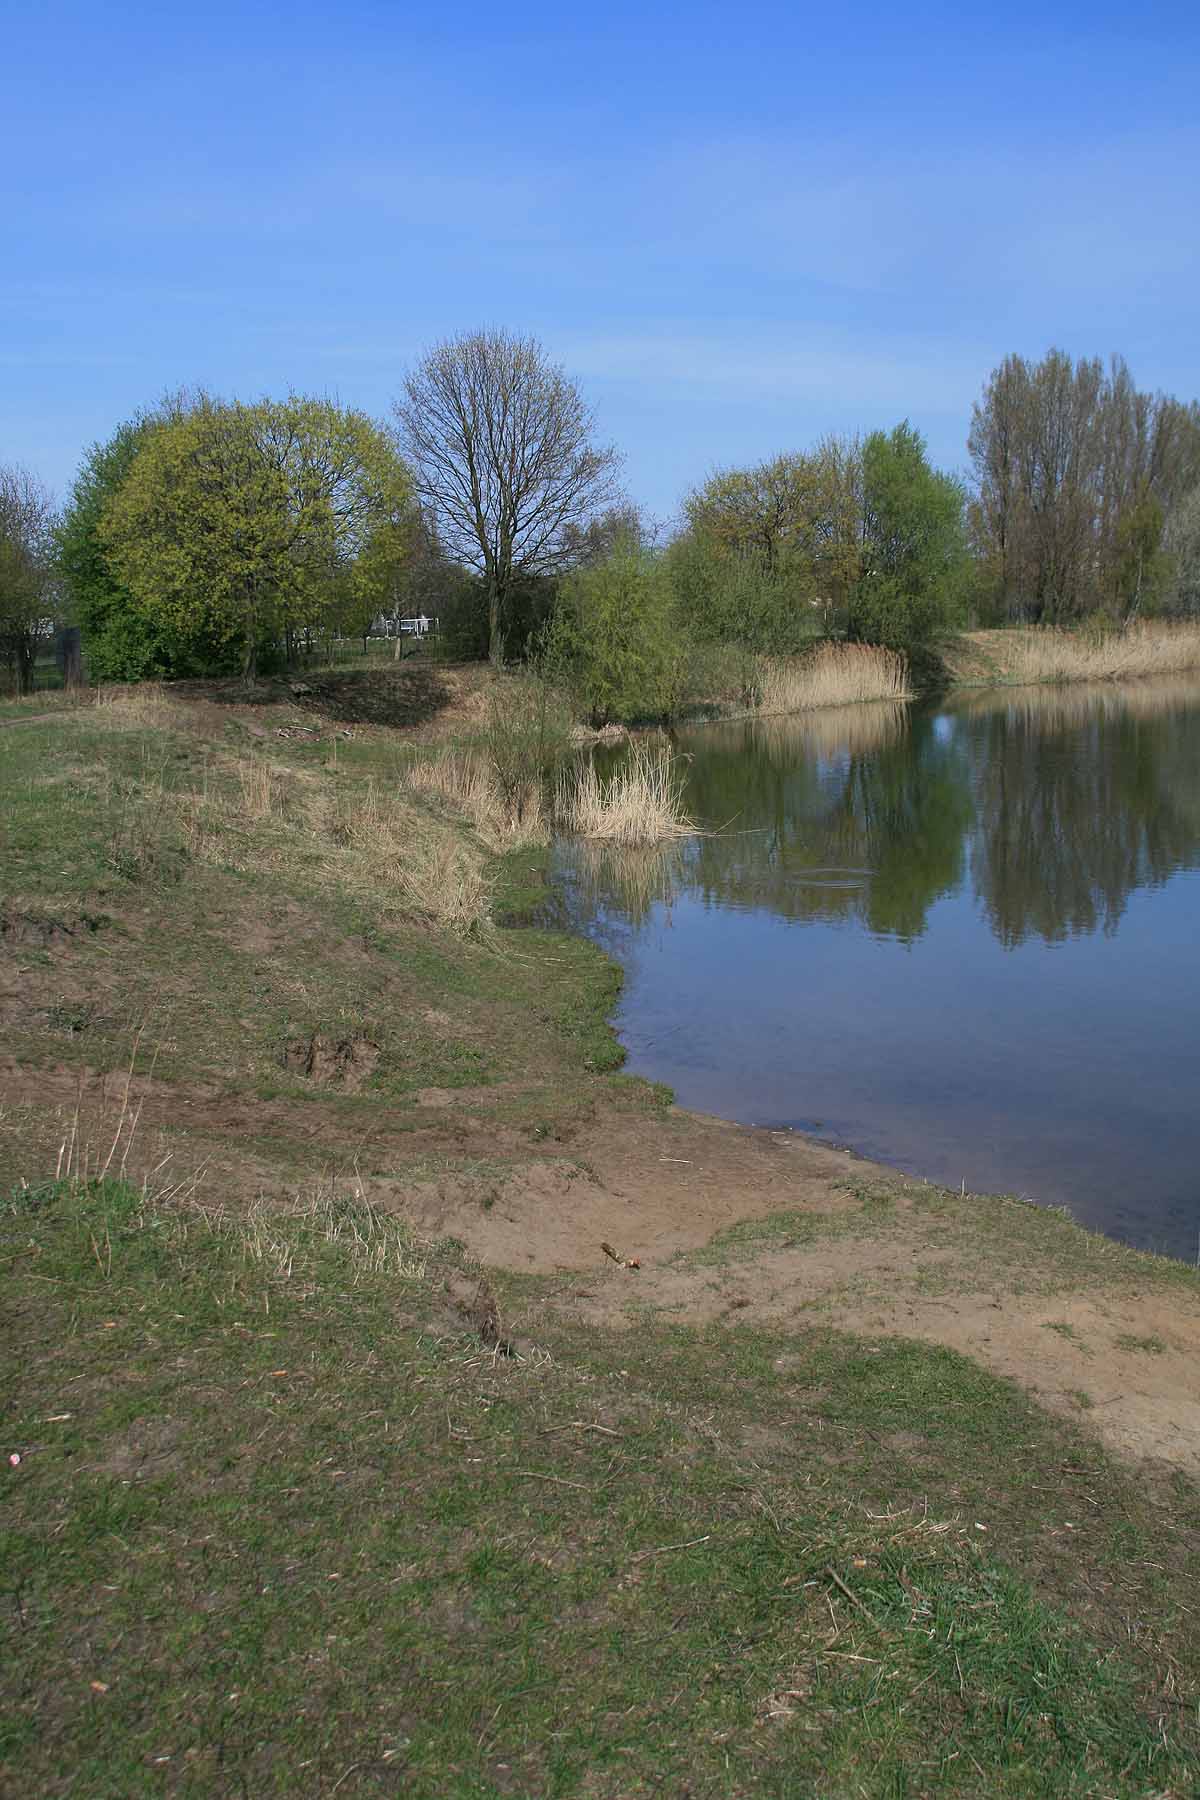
<point x="961" y="938"/>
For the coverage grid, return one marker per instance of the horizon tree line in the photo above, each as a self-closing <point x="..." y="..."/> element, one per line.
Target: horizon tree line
<point x="210" y="536"/>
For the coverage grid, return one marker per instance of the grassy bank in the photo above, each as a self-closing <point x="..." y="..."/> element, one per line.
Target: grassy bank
<point x="1021" y="657"/>
<point x="339" y="1469"/>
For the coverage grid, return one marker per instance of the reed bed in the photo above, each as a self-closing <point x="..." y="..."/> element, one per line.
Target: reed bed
<point x="640" y="802"/>
<point x="1047" y="654"/>
<point x="834" y="675"/>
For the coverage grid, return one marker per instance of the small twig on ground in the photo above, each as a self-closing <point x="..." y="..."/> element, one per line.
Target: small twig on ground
<point x="541" y="1475"/>
<point x="851" y="1596"/>
<point x="661" y="1549"/>
<point x="581" y="1425"/>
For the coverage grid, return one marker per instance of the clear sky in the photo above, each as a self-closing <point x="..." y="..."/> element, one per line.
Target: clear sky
<point x="739" y="226"/>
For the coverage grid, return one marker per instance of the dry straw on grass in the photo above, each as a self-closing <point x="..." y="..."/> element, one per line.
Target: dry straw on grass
<point x="641" y="802"/>
<point x="280" y="1242"/>
<point x="834" y="675"/>
<point x="1029" y="656"/>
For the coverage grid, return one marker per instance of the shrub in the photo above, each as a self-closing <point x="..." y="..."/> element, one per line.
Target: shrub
<point x="614" y="638"/>
<point x="527" y="737"/>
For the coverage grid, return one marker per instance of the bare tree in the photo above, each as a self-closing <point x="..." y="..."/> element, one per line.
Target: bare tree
<point x="26" y="571"/>
<point x="500" y="441"/>
<point x="1075" y="469"/>
<point x="1182" y="542"/>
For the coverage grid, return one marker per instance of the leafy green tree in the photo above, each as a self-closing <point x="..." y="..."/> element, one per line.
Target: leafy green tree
<point x="915" y="564"/>
<point x="1142" y="567"/>
<point x="26" y="571"/>
<point x="771" y="551"/>
<point x="122" y="641"/>
<point x="239" y="523"/>
<point x="615" y="640"/>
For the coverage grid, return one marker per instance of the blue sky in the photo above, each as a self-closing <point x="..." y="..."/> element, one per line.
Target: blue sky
<point x="738" y="227"/>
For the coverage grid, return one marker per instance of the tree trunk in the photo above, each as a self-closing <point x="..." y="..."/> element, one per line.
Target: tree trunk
<point x="495" y="625"/>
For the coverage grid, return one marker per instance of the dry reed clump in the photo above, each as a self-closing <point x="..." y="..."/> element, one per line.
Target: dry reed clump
<point x="397" y="850"/>
<point x="264" y="788"/>
<point x="466" y="782"/>
<point x="147" y="703"/>
<point x="834" y="675"/>
<point x="1050" y="654"/>
<point x="641" y="802"/>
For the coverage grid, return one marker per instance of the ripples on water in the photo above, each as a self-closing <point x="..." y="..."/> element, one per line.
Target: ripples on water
<point x="962" y="939"/>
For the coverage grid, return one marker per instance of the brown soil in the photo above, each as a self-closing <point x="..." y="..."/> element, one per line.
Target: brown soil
<point x="332" y="1062"/>
<point x="667" y="1186"/>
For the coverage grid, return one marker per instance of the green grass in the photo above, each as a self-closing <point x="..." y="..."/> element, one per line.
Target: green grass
<point x="1147" y="1346"/>
<point x="282" y="1523"/>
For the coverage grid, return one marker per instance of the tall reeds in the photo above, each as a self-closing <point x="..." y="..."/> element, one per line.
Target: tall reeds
<point x="834" y="675"/>
<point x="639" y="802"/>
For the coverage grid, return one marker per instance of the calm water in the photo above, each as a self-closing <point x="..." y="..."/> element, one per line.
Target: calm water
<point x="964" y="940"/>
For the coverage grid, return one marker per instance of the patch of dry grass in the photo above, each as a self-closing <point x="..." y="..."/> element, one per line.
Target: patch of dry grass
<point x="641" y="802"/>
<point x="399" y="849"/>
<point x="465" y="780"/>
<point x="146" y="703"/>
<point x="1041" y="654"/>
<point x="251" y="813"/>
<point x="834" y="675"/>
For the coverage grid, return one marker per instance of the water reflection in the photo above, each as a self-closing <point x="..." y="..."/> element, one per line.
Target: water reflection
<point x="1081" y="798"/>
<point x="962" y="937"/>
<point x="1056" y="804"/>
